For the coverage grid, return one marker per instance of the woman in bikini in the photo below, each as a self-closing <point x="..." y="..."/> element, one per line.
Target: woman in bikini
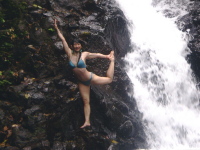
<point x="77" y="61"/>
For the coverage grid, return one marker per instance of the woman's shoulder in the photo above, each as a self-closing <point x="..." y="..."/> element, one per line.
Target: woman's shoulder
<point x="85" y="53"/>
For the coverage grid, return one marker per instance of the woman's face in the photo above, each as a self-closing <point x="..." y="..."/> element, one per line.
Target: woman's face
<point x="77" y="47"/>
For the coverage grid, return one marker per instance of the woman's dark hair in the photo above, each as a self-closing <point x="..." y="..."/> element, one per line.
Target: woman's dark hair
<point x="76" y="41"/>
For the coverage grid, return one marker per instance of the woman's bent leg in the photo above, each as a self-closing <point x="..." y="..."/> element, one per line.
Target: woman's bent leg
<point x="85" y="94"/>
<point x="110" y="72"/>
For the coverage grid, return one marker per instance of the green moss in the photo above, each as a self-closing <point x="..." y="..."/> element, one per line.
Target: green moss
<point x="1" y="17"/>
<point x="51" y="29"/>
<point x="6" y="79"/>
<point x="11" y="37"/>
<point x="37" y="6"/>
<point x="4" y="84"/>
<point x="12" y="9"/>
<point x="86" y="33"/>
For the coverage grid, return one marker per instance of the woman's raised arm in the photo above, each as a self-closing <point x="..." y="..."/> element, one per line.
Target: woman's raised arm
<point x="60" y="35"/>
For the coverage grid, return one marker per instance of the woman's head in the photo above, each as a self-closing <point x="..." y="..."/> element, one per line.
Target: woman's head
<point x="76" y="44"/>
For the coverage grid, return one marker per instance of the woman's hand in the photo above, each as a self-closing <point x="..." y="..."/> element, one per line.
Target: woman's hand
<point x="55" y="24"/>
<point x="60" y="35"/>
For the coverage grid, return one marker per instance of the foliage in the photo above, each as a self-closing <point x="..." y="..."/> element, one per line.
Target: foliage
<point x="37" y="6"/>
<point x="5" y="79"/>
<point x="51" y="29"/>
<point x="3" y="83"/>
<point x="11" y="10"/>
<point x="7" y="38"/>
<point x="11" y="37"/>
<point x="1" y="17"/>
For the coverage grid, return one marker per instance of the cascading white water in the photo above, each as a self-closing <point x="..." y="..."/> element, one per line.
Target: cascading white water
<point x="164" y="87"/>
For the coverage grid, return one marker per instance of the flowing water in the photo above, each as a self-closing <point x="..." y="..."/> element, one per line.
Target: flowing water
<point x="164" y="87"/>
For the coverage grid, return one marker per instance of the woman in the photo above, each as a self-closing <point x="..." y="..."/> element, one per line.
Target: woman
<point x="77" y="63"/>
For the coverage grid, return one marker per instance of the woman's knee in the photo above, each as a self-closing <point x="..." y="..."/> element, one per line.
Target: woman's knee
<point x="86" y="101"/>
<point x="110" y="80"/>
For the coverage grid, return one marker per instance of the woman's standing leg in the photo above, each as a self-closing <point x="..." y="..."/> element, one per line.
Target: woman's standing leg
<point x="85" y="94"/>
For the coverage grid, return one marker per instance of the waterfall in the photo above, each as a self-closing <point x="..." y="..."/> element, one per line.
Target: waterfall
<point x="164" y="86"/>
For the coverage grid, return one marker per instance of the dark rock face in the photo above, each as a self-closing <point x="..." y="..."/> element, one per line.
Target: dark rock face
<point x="44" y="110"/>
<point x="192" y="25"/>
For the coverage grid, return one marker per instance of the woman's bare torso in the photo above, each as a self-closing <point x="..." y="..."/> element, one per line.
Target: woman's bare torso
<point x="81" y="73"/>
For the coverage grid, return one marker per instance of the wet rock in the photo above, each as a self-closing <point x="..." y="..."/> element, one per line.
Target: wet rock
<point x="59" y="45"/>
<point x="46" y="90"/>
<point x="116" y="31"/>
<point x="126" y="129"/>
<point x="70" y="3"/>
<point x="73" y="25"/>
<point x="2" y="114"/>
<point x="45" y="143"/>
<point x="191" y="25"/>
<point x="37" y="96"/>
<point x="59" y="145"/>
<point x="37" y="13"/>
<point x="49" y="107"/>
<point x="48" y="13"/>
<point x="10" y="148"/>
<point x="18" y="88"/>
<point x="60" y="21"/>
<point x="46" y="99"/>
<point x="32" y="110"/>
<point x="22" y="136"/>
<point x="2" y="136"/>
<point x="91" y="22"/>
<point x="91" y="5"/>
<point x="27" y="148"/>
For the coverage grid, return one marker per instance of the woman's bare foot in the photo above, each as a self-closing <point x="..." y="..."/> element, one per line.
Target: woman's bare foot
<point x="86" y="124"/>
<point x="111" y="56"/>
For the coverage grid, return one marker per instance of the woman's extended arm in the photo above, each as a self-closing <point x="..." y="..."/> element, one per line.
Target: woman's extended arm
<point x="96" y="55"/>
<point x="65" y="45"/>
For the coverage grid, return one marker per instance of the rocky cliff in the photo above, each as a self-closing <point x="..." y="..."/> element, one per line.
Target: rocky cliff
<point x="40" y="103"/>
<point x="192" y="26"/>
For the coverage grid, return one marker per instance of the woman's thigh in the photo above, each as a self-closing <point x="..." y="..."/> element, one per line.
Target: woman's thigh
<point x="84" y="91"/>
<point x="100" y="80"/>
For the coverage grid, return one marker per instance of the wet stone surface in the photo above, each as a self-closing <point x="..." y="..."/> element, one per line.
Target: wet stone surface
<point x="44" y="110"/>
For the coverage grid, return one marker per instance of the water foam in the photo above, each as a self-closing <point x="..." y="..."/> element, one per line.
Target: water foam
<point x="164" y="87"/>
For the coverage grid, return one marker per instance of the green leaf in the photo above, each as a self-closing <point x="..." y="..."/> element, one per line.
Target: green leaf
<point x="2" y="20"/>
<point x="27" y="96"/>
<point x="51" y="29"/>
<point x="34" y="5"/>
